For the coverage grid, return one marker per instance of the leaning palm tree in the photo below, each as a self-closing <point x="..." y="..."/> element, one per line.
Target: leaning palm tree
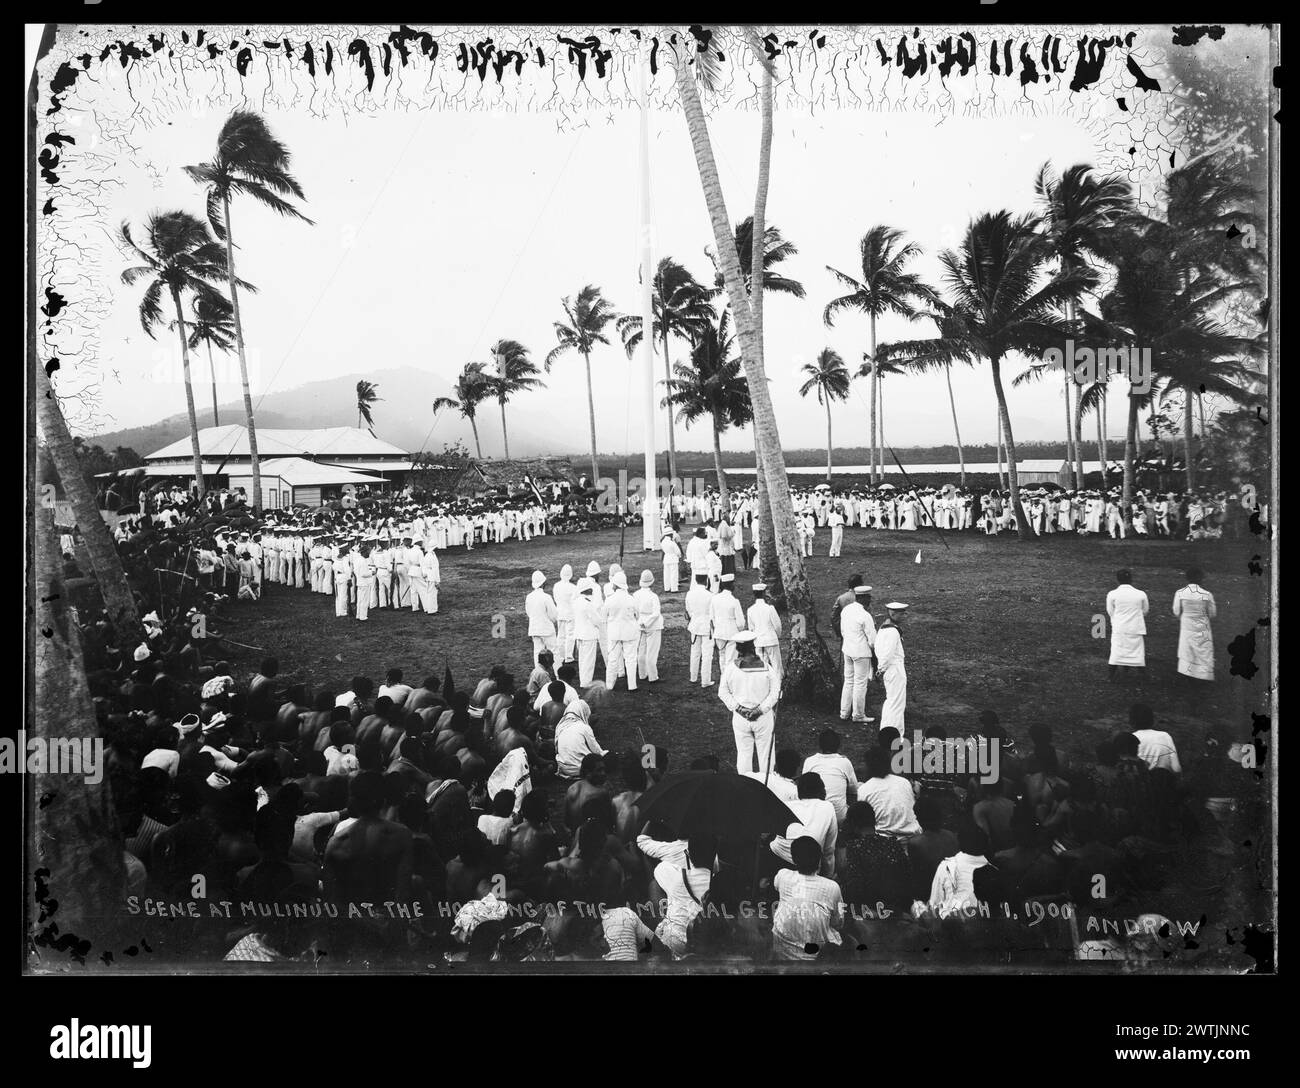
<point x="473" y="387"/>
<point x="514" y="373"/>
<point x="1078" y="211"/>
<point x="810" y="667"/>
<point x="884" y="288"/>
<point x="588" y="315"/>
<point x="713" y="386"/>
<point x="999" y="307"/>
<point x="680" y="308"/>
<point x="180" y="258"/>
<point x="214" y="326"/>
<point x="828" y="375"/>
<point x="251" y="162"/>
<point x="367" y="394"/>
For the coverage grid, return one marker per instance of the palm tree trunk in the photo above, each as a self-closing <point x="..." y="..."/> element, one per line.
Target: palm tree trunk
<point x="1101" y="433"/>
<point x="1002" y="480"/>
<point x="189" y="394"/>
<point x="952" y="403"/>
<point x="505" y="438"/>
<point x="105" y="563"/>
<point x="875" y="378"/>
<point x="1078" y="445"/>
<point x="829" y="466"/>
<point x="724" y="494"/>
<point x="1130" y="455"/>
<point x="243" y="361"/>
<point x="478" y="446"/>
<point x="1069" y="427"/>
<point x="73" y="830"/>
<point x="212" y="370"/>
<point x="672" y="439"/>
<point x="766" y="558"/>
<point x="880" y="408"/>
<point x="749" y="332"/>
<point x="1013" y="474"/>
<point x="1077" y="434"/>
<point x="1187" y="441"/>
<point x="591" y="418"/>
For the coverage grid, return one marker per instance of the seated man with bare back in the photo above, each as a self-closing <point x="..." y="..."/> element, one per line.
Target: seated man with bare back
<point x="592" y="782"/>
<point x="368" y="859"/>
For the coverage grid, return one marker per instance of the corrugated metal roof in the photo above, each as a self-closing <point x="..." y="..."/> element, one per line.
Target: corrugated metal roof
<point x="232" y="441"/>
<point x="298" y="472"/>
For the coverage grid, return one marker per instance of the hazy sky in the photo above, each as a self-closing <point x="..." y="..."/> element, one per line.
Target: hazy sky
<point x="438" y="232"/>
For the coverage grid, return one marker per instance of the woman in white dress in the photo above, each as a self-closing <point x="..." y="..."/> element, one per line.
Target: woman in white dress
<point x="1195" y="608"/>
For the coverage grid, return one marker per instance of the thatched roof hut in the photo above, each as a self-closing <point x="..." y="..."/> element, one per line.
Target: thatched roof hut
<point x="501" y="474"/>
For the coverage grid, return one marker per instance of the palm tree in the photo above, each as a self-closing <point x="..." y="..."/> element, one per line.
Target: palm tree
<point x="214" y="326"/>
<point x="680" y="308"/>
<point x="588" y="315"/>
<point x="809" y="665"/>
<point x="105" y="563"/>
<point x="713" y="384"/>
<point x="252" y="162"/>
<point x="473" y="387"/>
<point x="515" y="372"/>
<point x="996" y="310"/>
<point x="1078" y="211"/>
<point x="885" y="287"/>
<point x="180" y="257"/>
<point x="1162" y="304"/>
<point x="367" y="394"/>
<point x="830" y="378"/>
<point x="775" y="251"/>
<point x="883" y="367"/>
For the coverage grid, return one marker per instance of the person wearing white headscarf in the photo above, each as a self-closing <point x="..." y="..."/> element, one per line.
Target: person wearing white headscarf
<point x="574" y="739"/>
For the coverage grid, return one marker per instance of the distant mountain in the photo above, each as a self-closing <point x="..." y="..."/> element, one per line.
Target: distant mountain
<point x="403" y="417"/>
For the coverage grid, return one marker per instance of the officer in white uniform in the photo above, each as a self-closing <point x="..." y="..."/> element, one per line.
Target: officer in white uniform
<point x="542" y="616"/>
<point x="650" y="617"/>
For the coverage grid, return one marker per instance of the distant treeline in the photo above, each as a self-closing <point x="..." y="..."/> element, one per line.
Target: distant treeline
<point x="697" y="462"/>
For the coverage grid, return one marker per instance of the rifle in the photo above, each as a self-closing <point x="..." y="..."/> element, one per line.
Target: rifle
<point x="913" y="486"/>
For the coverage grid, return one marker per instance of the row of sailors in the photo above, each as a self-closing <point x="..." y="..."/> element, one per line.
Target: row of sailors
<point x="373" y="570"/>
<point x="576" y="620"/>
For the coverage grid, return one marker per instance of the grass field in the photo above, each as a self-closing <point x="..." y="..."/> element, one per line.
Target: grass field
<point x="993" y="623"/>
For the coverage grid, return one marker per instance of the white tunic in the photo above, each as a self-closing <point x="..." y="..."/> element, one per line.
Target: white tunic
<point x="1194" y="608"/>
<point x="1127" y="609"/>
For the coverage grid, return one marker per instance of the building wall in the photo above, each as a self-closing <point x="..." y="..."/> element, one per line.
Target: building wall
<point x="307" y="496"/>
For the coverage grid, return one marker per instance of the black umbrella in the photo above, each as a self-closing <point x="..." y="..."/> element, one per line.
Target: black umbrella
<point x="730" y="806"/>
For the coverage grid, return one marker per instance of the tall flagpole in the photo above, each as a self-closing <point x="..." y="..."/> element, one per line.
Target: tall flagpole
<point x="650" y="500"/>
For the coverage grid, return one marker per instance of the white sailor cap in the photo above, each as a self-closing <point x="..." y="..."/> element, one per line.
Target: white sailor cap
<point x="744" y="636"/>
<point x="896" y="606"/>
<point x="859" y="590"/>
<point x="759" y="587"/>
<point x="727" y="578"/>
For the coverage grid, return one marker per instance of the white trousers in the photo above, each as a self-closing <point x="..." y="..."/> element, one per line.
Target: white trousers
<point x="895" y="698"/>
<point x="565" y="640"/>
<point x="771" y="657"/>
<point x="416" y="598"/>
<point x="341" y="599"/>
<point x="647" y="655"/>
<point x="586" y="661"/>
<point x="853" y="695"/>
<point x="621" y="658"/>
<point x="837" y="540"/>
<point x="726" y="653"/>
<point x="671" y="575"/>
<point x="702" y="659"/>
<point x="753" y="738"/>
<point x="540" y="643"/>
<point x="363" y="600"/>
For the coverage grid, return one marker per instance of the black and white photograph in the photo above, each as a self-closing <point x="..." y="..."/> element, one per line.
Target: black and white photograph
<point x="649" y="499"/>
